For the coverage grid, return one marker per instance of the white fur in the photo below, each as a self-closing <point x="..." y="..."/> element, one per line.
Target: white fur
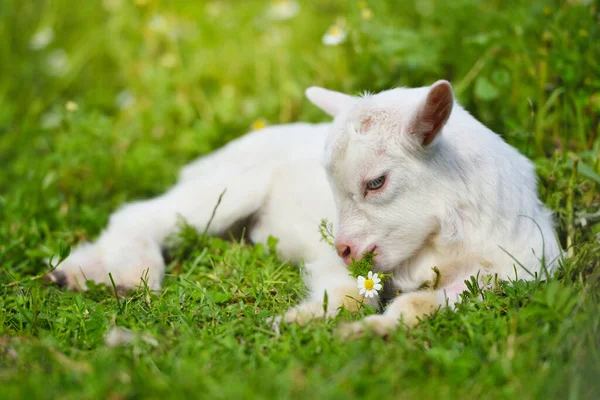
<point x="464" y="202"/>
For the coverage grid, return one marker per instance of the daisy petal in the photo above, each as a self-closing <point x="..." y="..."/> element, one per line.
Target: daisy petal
<point x="370" y="275"/>
<point x="377" y="286"/>
<point x="362" y="291"/>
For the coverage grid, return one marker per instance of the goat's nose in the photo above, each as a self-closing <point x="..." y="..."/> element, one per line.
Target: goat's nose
<point x="345" y="251"/>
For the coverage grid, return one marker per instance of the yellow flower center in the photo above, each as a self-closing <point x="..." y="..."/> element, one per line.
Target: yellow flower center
<point x="369" y="284"/>
<point x="335" y="31"/>
<point x="259" y="124"/>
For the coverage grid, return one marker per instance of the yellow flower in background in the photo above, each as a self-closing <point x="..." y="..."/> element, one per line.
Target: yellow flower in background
<point x="169" y="60"/>
<point x="71" y="106"/>
<point x="259" y="124"/>
<point x="335" y="35"/>
<point x="366" y="14"/>
<point x="112" y="5"/>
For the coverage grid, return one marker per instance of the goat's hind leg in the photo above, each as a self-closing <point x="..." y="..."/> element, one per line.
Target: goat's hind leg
<point x="130" y="247"/>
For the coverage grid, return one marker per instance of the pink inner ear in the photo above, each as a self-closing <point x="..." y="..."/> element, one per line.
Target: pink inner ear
<point x="435" y="112"/>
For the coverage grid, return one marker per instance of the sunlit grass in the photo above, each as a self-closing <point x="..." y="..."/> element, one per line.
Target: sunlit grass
<point x="102" y="101"/>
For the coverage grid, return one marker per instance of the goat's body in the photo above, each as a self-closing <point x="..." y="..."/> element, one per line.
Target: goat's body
<point x="273" y="180"/>
<point x="491" y="220"/>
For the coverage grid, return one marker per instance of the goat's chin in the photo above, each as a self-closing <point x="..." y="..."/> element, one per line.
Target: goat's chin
<point x="385" y="265"/>
<point x="386" y="262"/>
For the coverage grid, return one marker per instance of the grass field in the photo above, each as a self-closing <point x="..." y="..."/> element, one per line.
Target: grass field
<point x="102" y="101"/>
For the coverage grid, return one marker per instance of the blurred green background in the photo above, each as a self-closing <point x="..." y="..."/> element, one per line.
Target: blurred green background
<point x="101" y="101"/>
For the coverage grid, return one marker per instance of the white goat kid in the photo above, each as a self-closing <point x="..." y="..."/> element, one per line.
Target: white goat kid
<point x="415" y="178"/>
<point x="423" y="184"/>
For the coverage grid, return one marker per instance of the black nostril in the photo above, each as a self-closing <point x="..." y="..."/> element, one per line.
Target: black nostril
<point x="346" y="253"/>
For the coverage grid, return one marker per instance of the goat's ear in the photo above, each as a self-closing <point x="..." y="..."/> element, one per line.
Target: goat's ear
<point x="433" y="113"/>
<point x="328" y="100"/>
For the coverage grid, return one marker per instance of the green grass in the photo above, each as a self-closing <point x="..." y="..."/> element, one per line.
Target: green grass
<point x="158" y="83"/>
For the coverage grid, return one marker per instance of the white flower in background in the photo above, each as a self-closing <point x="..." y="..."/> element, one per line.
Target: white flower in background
<point x="282" y="10"/>
<point x="370" y="285"/>
<point x="214" y="8"/>
<point x="71" y="106"/>
<point x="334" y="36"/>
<point x="425" y="7"/>
<point x="124" y="99"/>
<point x="118" y="336"/>
<point x="112" y="5"/>
<point x="58" y="63"/>
<point x="158" y="24"/>
<point x="42" y="38"/>
<point x="50" y="120"/>
<point x="169" y="60"/>
<point x="582" y="2"/>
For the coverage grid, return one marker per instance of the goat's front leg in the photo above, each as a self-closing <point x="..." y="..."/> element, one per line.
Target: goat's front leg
<point x="407" y="308"/>
<point x="326" y="275"/>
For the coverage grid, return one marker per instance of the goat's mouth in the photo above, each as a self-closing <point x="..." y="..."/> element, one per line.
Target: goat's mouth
<point x="378" y="266"/>
<point x="373" y="250"/>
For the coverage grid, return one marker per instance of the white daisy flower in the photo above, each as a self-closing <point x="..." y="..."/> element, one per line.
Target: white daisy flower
<point x="158" y="24"/>
<point x="58" y="63"/>
<point x="334" y="36"/>
<point x="41" y="38"/>
<point x="125" y="99"/>
<point x="370" y="285"/>
<point x="282" y="10"/>
<point x="112" y="5"/>
<point x="214" y="8"/>
<point x="51" y="120"/>
<point x="169" y="60"/>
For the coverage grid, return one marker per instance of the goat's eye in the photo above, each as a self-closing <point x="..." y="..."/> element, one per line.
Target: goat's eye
<point x="375" y="183"/>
